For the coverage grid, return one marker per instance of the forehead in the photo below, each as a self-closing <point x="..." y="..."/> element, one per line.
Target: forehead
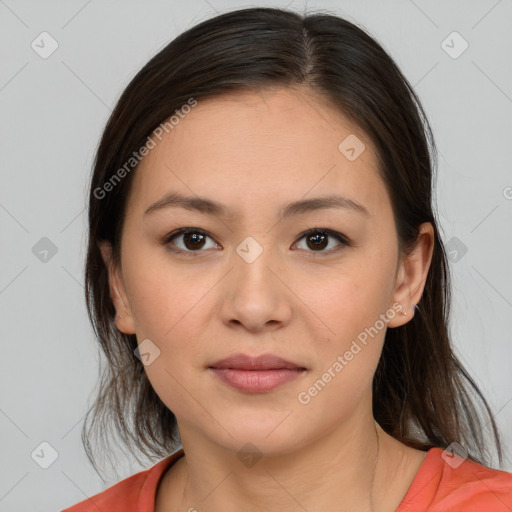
<point x="254" y="147"/>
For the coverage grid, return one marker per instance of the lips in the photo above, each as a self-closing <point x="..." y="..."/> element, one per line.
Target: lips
<point x="262" y="362"/>
<point x="256" y="374"/>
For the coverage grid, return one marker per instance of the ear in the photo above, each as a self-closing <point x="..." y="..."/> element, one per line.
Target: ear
<point x="124" y="319"/>
<point x="412" y="275"/>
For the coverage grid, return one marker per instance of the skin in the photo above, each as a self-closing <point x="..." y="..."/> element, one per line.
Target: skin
<point x="256" y="152"/>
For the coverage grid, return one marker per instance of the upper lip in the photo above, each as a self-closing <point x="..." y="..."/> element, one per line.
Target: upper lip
<point x="262" y="362"/>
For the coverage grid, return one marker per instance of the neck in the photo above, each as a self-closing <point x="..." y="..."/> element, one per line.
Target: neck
<point x="347" y="469"/>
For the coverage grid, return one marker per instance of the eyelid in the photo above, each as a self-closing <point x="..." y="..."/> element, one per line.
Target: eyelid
<point x="330" y="232"/>
<point x="343" y="239"/>
<point x="167" y="240"/>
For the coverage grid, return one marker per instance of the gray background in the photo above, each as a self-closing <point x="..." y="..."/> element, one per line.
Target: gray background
<point x="53" y="112"/>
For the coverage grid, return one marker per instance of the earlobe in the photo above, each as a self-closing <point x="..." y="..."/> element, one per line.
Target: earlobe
<point x="412" y="275"/>
<point x="124" y="319"/>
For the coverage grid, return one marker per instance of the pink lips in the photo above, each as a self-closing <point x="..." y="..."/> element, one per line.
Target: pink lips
<point x="256" y="374"/>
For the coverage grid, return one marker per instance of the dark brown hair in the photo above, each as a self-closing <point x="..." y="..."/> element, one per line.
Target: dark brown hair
<point x="422" y="395"/>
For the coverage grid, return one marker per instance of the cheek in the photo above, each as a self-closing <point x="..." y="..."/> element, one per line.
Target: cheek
<point x="162" y="296"/>
<point x="348" y="354"/>
<point x="167" y="308"/>
<point x="172" y="308"/>
<point x="351" y="297"/>
<point x="349" y="306"/>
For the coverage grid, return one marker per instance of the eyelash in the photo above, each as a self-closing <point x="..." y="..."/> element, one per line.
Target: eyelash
<point x="344" y="241"/>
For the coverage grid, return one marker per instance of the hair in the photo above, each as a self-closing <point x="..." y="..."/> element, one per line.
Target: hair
<point x="422" y="394"/>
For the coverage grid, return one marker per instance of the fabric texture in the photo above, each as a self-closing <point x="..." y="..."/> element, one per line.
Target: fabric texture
<point x="441" y="484"/>
<point x="136" y="493"/>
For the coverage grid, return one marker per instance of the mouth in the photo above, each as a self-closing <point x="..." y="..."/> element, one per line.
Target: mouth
<point x="262" y="362"/>
<point x="256" y="374"/>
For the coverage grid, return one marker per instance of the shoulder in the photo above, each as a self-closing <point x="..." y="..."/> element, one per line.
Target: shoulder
<point x="133" y="494"/>
<point x="446" y="483"/>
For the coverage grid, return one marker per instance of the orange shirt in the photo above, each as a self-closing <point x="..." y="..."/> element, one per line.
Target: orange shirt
<point x="437" y="487"/>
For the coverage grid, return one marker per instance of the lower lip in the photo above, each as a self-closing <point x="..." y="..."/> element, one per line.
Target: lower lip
<point x="257" y="381"/>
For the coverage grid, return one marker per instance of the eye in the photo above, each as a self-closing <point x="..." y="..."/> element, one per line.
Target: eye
<point x="317" y="239"/>
<point x="193" y="240"/>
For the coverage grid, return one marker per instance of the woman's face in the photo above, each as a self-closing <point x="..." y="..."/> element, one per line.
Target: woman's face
<point x="253" y="283"/>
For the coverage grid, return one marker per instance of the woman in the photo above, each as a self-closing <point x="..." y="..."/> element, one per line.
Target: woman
<point x="266" y="278"/>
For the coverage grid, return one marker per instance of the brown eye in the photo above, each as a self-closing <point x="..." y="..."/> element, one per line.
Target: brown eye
<point x="193" y="240"/>
<point x="196" y="240"/>
<point x="318" y="239"/>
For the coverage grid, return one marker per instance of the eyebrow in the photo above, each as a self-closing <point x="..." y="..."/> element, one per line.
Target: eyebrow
<point x="211" y="207"/>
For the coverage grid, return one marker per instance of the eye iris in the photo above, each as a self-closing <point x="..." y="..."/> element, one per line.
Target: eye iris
<point x="195" y="239"/>
<point x="320" y="239"/>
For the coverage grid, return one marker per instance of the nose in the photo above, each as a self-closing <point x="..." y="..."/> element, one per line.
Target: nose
<point x="255" y="293"/>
